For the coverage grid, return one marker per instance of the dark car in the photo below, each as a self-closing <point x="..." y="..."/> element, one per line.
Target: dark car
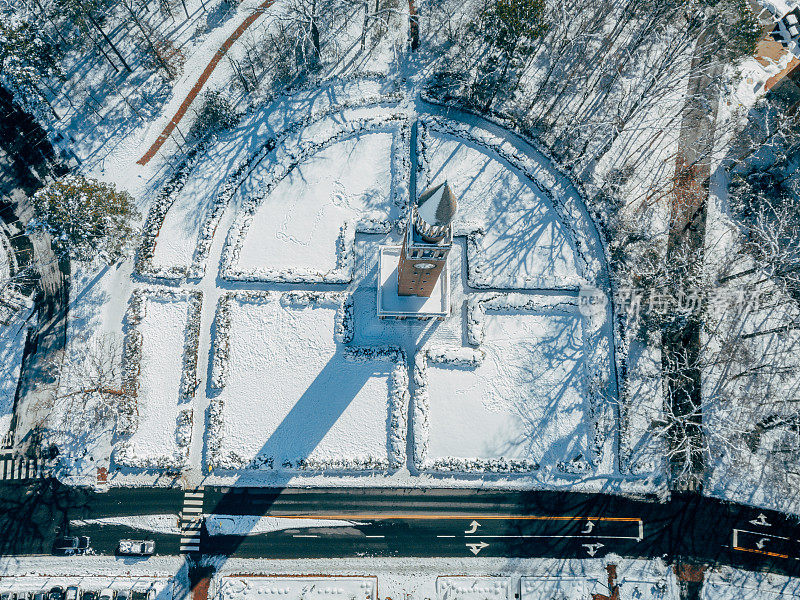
<point x="56" y="593"/>
<point x="84" y="544"/>
<point x="89" y="595"/>
<point x="123" y="595"/>
<point x="66" y="546"/>
<point x="39" y="596"/>
<point x="139" y="595"/>
<point x="8" y="596"/>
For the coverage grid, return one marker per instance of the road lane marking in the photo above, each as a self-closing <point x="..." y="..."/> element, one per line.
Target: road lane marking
<point x="762" y="538"/>
<point x="592" y="549"/>
<point x="475" y="548"/>
<point x="473" y="527"/>
<point x="761" y="520"/>
<point x="375" y="537"/>
<point x="759" y="534"/>
<point x="583" y="537"/>
<point x="764" y="552"/>
<point x="445" y="536"/>
<point x="304" y="536"/>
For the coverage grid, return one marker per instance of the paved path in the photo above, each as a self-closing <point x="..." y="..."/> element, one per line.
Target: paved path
<point x="187" y="102"/>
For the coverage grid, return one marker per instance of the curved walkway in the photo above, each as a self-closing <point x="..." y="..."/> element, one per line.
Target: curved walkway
<point x="187" y="102"/>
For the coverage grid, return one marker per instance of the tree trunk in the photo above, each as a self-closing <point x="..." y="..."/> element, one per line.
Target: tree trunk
<point x="110" y="43"/>
<point x="149" y="41"/>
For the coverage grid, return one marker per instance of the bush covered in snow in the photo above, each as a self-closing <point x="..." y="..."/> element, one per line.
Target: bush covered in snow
<point x="214" y="115"/>
<point x="85" y="217"/>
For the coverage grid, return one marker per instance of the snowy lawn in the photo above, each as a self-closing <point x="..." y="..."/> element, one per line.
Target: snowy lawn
<point x="525" y="245"/>
<point x="519" y="401"/>
<point x="297" y="588"/>
<point x="727" y="583"/>
<point x="302" y="225"/>
<point x="163" y="419"/>
<point x="237" y="163"/>
<point x="316" y="404"/>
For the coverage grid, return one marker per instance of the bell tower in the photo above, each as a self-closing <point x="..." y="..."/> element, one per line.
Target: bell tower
<point x="427" y="241"/>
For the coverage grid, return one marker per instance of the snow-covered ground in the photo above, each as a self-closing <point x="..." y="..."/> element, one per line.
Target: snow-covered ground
<point x="316" y="402"/>
<point x="726" y="583"/>
<point x="305" y="588"/>
<point x="167" y="577"/>
<point x="158" y="350"/>
<point x="524" y="399"/>
<point x="278" y="224"/>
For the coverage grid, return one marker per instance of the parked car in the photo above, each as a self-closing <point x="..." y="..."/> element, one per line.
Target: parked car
<point x="39" y="595"/>
<point x="123" y="595"/>
<point x="66" y="545"/>
<point x="56" y="593"/>
<point x="107" y="594"/>
<point x="136" y="547"/>
<point x="71" y="593"/>
<point x="8" y="596"/>
<point x="138" y="594"/>
<point x="89" y="595"/>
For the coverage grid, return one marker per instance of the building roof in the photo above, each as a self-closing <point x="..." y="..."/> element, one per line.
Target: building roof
<point x="437" y="205"/>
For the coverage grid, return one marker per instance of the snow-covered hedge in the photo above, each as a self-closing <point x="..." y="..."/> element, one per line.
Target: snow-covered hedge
<point x="343" y="272"/>
<point x="600" y="212"/>
<point x="127" y="422"/>
<point x="343" y="327"/>
<point x="243" y="171"/>
<point x="155" y="218"/>
<point x="398" y="396"/>
<point x="570" y="209"/>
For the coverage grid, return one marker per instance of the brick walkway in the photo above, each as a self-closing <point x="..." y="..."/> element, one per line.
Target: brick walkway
<point x="187" y="102"/>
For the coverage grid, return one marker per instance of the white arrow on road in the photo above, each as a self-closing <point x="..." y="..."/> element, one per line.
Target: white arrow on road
<point x="760" y="543"/>
<point x="473" y="527"/>
<point x="592" y="548"/>
<point x="477" y="547"/>
<point x="589" y="527"/>
<point x="761" y="520"/>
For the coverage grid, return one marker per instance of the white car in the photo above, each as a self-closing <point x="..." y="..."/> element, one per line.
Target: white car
<point x="137" y="547"/>
<point x="106" y="594"/>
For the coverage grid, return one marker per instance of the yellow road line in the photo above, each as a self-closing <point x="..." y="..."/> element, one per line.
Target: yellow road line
<point x="474" y="517"/>
<point x="754" y="551"/>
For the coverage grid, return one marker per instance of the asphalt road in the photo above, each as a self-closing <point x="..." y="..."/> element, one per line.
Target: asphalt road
<point x="405" y="522"/>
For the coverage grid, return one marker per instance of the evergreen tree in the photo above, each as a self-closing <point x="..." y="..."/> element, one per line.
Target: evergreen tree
<point x="85" y="217"/>
<point x="25" y="59"/>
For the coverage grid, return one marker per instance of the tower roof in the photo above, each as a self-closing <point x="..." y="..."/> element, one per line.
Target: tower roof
<point x="437" y="205"/>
